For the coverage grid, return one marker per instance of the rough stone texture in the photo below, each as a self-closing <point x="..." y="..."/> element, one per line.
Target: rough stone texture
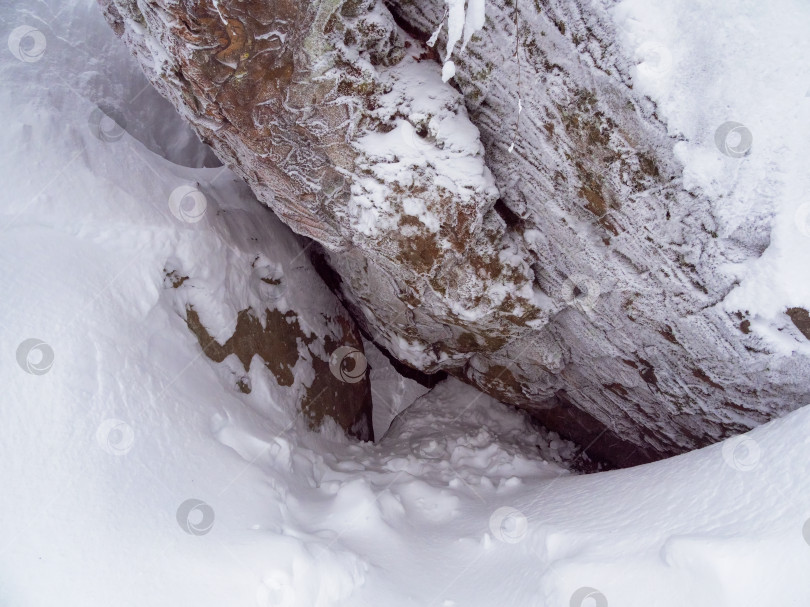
<point x="585" y="291"/>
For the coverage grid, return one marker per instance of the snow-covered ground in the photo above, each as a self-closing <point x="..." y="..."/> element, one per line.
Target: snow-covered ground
<point x="132" y="472"/>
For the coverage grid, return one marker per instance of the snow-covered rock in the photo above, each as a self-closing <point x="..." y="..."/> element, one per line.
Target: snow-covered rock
<point x="597" y="285"/>
<point x="672" y="250"/>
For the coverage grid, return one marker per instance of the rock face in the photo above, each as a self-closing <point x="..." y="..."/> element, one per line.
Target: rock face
<point x="557" y="262"/>
<point x="256" y="301"/>
<point x="339" y="389"/>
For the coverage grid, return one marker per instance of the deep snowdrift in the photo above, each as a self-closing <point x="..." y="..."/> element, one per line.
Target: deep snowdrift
<point x="133" y="473"/>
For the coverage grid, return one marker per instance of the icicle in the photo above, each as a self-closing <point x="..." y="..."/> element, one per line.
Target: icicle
<point x="435" y="36"/>
<point x="476" y="18"/>
<point x="461" y="20"/>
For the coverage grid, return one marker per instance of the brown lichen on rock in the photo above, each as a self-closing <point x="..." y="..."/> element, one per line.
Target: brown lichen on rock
<point x="277" y="342"/>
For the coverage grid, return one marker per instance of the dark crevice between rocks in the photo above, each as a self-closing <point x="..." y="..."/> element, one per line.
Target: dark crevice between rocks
<point x="512" y="220"/>
<point x="407" y="27"/>
<point x="428" y="380"/>
<point x="598" y="444"/>
<point x="602" y="448"/>
<point x="317" y="257"/>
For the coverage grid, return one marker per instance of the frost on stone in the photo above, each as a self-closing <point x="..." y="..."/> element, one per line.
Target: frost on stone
<point x="569" y="266"/>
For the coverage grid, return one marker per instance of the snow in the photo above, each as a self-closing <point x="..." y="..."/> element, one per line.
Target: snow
<point x="448" y="152"/>
<point x="392" y="392"/>
<point x="133" y="474"/>
<point x="730" y="81"/>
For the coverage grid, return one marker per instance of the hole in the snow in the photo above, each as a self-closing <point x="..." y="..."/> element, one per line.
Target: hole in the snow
<point x="126" y="102"/>
<point x="154" y="122"/>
